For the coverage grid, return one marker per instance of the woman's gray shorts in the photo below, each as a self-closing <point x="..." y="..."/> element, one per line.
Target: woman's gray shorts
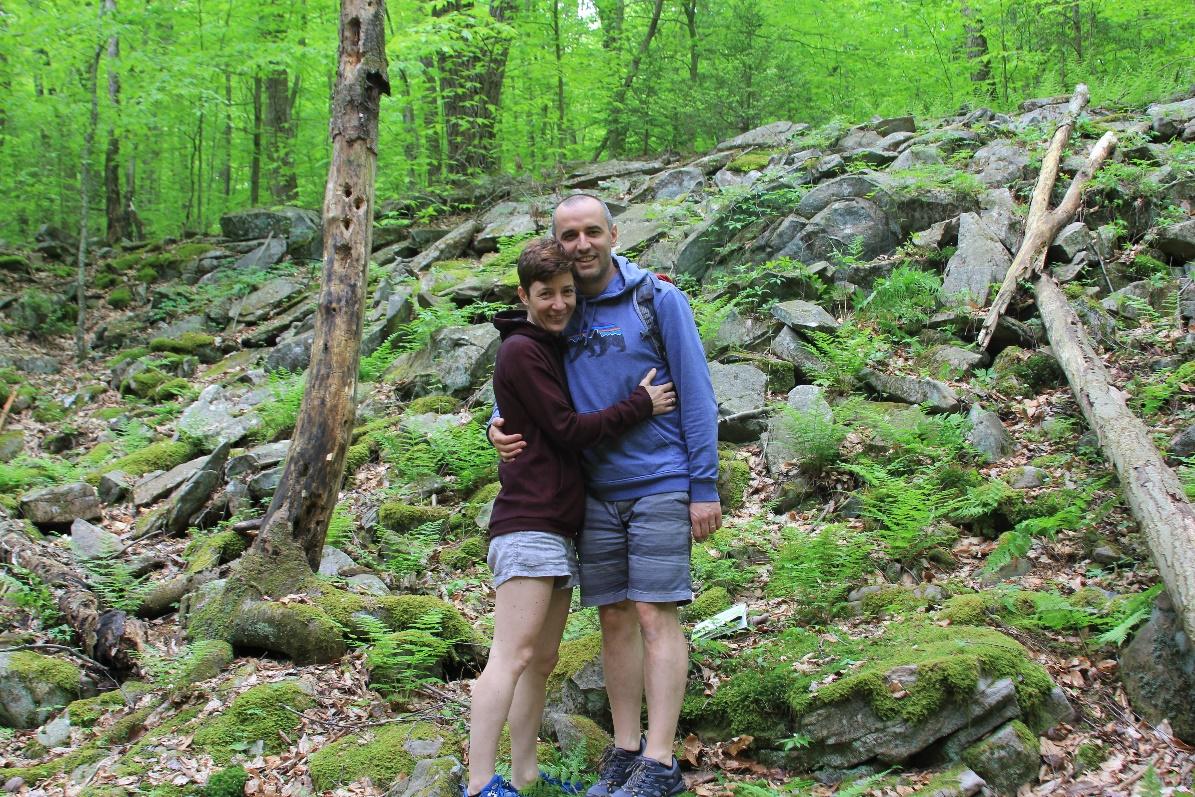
<point x="533" y="554"/>
<point x="636" y="550"/>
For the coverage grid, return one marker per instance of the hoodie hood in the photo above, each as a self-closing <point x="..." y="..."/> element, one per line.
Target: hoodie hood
<point x="514" y="322"/>
<point x="626" y="277"/>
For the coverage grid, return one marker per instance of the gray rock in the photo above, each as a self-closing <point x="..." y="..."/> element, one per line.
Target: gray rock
<point x="305" y="238"/>
<point x="867" y="185"/>
<point x="790" y="347"/>
<point x="1131" y="301"/>
<point x="590" y="176"/>
<point x="915" y="207"/>
<point x="250" y="225"/>
<point x="875" y="156"/>
<point x="268" y="253"/>
<point x="455" y="361"/>
<point x="256" y="458"/>
<point x="676" y="183"/>
<point x="739" y="388"/>
<point x="639" y="227"/>
<point x="26" y="698"/>
<point x="153" y="486"/>
<point x="1000" y="163"/>
<point x="697" y="251"/>
<point x="431" y="777"/>
<point x="1070" y="241"/>
<point x="264" y="484"/>
<point x="292" y="355"/>
<point x="12" y="443"/>
<point x="193" y="493"/>
<point x="737" y="331"/>
<point x="956" y="360"/>
<point x="937" y="236"/>
<point x="896" y="141"/>
<point x="269" y="300"/>
<point x="1158" y="671"/>
<point x="1170" y="119"/>
<point x="776" y="134"/>
<point x="369" y="584"/>
<point x="998" y="213"/>
<point x="837" y="229"/>
<point x="61" y="505"/>
<point x="857" y="138"/>
<point x="333" y="560"/>
<point x="895" y="124"/>
<point x="980" y="261"/>
<point x="728" y="177"/>
<point x="1178" y="240"/>
<point x="931" y="393"/>
<point x="510" y="227"/>
<point x="810" y="399"/>
<point x="965" y="784"/>
<point x="215" y="416"/>
<point x="799" y="314"/>
<point x="988" y="435"/>
<point x="114" y="486"/>
<point x="1006" y="760"/>
<point x="39" y="365"/>
<point x="920" y="155"/>
<point x="1027" y="478"/>
<point x="89" y="541"/>
<point x="56" y="732"/>
<point x="584" y="693"/>
<point x="14" y="784"/>
<point x="1182" y="445"/>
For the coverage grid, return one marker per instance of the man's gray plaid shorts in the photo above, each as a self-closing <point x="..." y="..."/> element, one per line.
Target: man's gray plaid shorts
<point x="636" y="550"/>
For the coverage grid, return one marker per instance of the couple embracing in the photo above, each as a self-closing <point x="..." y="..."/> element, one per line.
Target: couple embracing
<point x="608" y="437"/>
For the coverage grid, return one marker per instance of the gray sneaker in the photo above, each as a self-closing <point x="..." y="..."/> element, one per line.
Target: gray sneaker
<point x="613" y="768"/>
<point x="650" y="778"/>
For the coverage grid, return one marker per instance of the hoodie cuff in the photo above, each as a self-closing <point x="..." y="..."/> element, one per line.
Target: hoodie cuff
<point x="641" y="400"/>
<point x="701" y="491"/>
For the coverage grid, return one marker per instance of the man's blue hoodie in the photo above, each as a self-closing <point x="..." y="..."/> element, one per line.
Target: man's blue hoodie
<point x="608" y="352"/>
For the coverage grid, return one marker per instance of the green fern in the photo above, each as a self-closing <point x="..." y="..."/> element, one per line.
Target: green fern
<point x="818" y="569"/>
<point x="116" y="583"/>
<point x="908" y="296"/>
<point x="1017" y="542"/>
<point x="1151" y="396"/>
<point x="279" y="414"/>
<point x="844" y="353"/>
<point x="813" y="437"/>
<point x="373" y="365"/>
<point x="1134" y="611"/>
<point x="409" y="553"/>
<point x="340" y="527"/>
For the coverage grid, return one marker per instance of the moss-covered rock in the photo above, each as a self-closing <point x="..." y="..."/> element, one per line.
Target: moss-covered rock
<point x="259" y="714"/>
<point x="1007" y="759"/>
<point x="143" y="383"/>
<point x="205" y="660"/>
<point x="86" y="712"/>
<point x="441" y="405"/>
<point x="707" y="604"/>
<point x="465" y="554"/>
<point x="969" y="609"/>
<point x="160" y="455"/>
<point x="33" y="687"/>
<point x="196" y="343"/>
<point x="755" y="160"/>
<point x="574" y="732"/>
<point x="402" y="517"/>
<point x="381" y="755"/>
<point x="212" y="550"/>
<point x="572" y="687"/>
<point x="32" y="775"/>
<point x="227" y="782"/>
<point x="734" y="476"/>
<point x="1035" y="370"/>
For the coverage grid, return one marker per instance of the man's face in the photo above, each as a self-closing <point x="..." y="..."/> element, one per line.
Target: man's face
<point x="550" y="303"/>
<point x="582" y="233"/>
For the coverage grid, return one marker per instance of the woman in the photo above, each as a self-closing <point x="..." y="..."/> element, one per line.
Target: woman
<point x="537" y="514"/>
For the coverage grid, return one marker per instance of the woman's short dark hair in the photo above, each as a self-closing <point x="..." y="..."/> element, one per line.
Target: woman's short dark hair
<point x="541" y="260"/>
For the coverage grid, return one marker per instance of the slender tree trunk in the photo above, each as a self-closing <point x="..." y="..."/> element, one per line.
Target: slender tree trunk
<point x="255" y="158"/>
<point x="613" y="121"/>
<point x="977" y="46"/>
<point x="307" y="489"/>
<point x="226" y="166"/>
<point x="113" y="206"/>
<point x="280" y="154"/>
<point x="84" y="195"/>
<point x="560" y="117"/>
<point x="690" y="8"/>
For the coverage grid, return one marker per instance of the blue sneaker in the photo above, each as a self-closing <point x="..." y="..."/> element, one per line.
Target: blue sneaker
<point x="650" y="778"/>
<point x="613" y="769"/>
<point x="566" y="786"/>
<point x="497" y="787"/>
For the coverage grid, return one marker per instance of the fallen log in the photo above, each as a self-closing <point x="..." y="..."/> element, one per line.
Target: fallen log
<point x="1151" y="489"/>
<point x="110" y="637"/>
<point x="1042" y="225"/>
<point x="448" y="247"/>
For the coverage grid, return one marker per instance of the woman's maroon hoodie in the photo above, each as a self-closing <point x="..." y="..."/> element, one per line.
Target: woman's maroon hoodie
<point x="543" y="489"/>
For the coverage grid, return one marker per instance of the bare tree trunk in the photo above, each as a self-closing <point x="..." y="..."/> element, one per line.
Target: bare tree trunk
<point x="84" y="195"/>
<point x="114" y="208"/>
<point x="560" y="118"/>
<point x="255" y="160"/>
<point x="226" y="167"/>
<point x="307" y="489"/>
<point x="690" y="8"/>
<point x="1150" y="488"/>
<point x="977" y="46"/>
<point x="280" y="133"/>
<point x="620" y="95"/>
<point x="107" y="636"/>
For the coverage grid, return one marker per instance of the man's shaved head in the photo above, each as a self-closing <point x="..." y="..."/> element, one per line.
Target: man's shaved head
<point x="574" y="200"/>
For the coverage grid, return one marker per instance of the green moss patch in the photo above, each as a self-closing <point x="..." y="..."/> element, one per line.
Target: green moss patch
<point x="259" y="714"/>
<point x="186" y="343"/>
<point x="380" y="756"/>
<point x="705" y="605"/>
<point x="36" y="668"/>
<point x="734" y="476"/>
<point x="754" y="161"/>
<point x="441" y="405"/>
<point x="162" y="455"/>
<point x="574" y="655"/>
<point x="86" y="712"/>
<point x="401" y="517"/>
<point x="204" y="553"/>
<point x="465" y="554"/>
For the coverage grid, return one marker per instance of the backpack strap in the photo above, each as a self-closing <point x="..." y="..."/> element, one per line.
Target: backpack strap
<point x="646" y="308"/>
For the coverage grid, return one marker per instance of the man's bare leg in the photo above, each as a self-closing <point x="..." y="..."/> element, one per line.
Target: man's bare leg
<point x="666" y="669"/>
<point x="622" y="664"/>
<point x="527" y="708"/>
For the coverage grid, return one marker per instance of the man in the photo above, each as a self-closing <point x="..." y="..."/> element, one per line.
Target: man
<point x="647" y="492"/>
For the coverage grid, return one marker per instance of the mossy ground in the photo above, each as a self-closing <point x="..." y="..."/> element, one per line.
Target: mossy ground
<point x="160" y="455"/>
<point x="379" y="755"/>
<point x="259" y="714"/>
<point x="36" y="668"/>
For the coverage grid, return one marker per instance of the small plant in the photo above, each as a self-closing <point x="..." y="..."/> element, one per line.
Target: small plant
<point x="907" y="297"/>
<point x="818" y="569"/>
<point x="1151" y="396"/>
<point x="401" y="662"/>
<point x="26" y="590"/>
<point x="844" y="353"/>
<point x="1074" y="515"/>
<point x="813" y="436"/>
<point x="340" y="527"/>
<point x="373" y="365"/>
<point x="116" y="583"/>
<point x="278" y="415"/>
<point x="409" y="553"/>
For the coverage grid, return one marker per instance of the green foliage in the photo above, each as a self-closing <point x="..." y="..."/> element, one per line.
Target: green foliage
<point x="340" y="527"/>
<point x="844" y="353"/>
<point x="410" y="552"/>
<point x="904" y="299"/>
<point x="403" y="661"/>
<point x="279" y="414"/>
<point x="903" y="511"/>
<point x="721" y="561"/>
<point x="1073" y="514"/>
<point x="817" y="570"/>
<point x="227" y="782"/>
<point x="25" y="589"/>
<point x="930" y="176"/>
<point x="373" y="365"/>
<point x="40" y="314"/>
<point x="1149" y="395"/>
<point x="115" y="582"/>
<point x="25" y="472"/>
<point x="120" y="298"/>
<point x="416" y="333"/>
<point x="458" y="450"/>
<point x="813" y="436"/>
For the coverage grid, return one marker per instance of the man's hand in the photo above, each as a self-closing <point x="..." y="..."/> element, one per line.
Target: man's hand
<point x="508" y="445"/>
<point x="705" y="517"/>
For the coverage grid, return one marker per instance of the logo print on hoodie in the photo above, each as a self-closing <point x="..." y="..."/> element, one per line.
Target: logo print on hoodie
<point x="597" y="341"/>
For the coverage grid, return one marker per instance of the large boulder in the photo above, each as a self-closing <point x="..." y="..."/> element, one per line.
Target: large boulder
<point x="1007" y="759"/>
<point x="980" y="261"/>
<point x="578" y="684"/>
<point x="639" y="226"/>
<point x="739" y="388"/>
<point x="776" y="134"/>
<point x="33" y="687"/>
<point x="988" y="435"/>
<point x="59" y="506"/>
<point x="254" y="224"/>
<point x="455" y="361"/>
<point x="1000" y="162"/>
<point x="857" y="226"/>
<point x="269" y="300"/>
<point x="803" y="315"/>
<point x="514" y="226"/>
<point x="1158" y="670"/>
<point x="217" y="416"/>
<point x="1169" y="119"/>
<point x="675" y="183"/>
<point x="930" y="393"/>
<point x="1178" y="240"/>
<point x="863" y="185"/>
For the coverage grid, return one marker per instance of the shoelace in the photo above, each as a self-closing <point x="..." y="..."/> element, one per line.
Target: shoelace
<point x="637" y="773"/>
<point x="605" y="771"/>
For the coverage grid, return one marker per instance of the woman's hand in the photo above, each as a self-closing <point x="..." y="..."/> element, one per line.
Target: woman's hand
<point x="663" y="397"/>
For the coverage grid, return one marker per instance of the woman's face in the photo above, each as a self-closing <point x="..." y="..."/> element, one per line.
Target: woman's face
<point x="550" y="303"/>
